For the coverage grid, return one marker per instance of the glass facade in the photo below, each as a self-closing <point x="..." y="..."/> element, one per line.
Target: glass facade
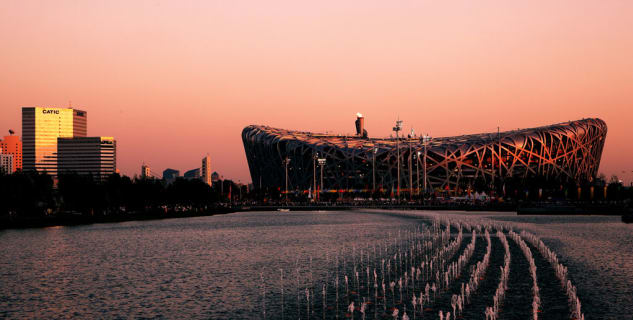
<point x="41" y="126"/>
<point x="95" y="156"/>
<point x="170" y="175"/>
<point x="192" y="174"/>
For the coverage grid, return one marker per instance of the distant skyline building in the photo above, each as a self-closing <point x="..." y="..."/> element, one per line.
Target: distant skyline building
<point x="94" y="156"/>
<point x="215" y="176"/>
<point x="170" y="175"/>
<point x="12" y="145"/>
<point x="6" y="163"/>
<point x="192" y="174"/>
<point x="41" y="126"/>
<point x="146" y="172"/>
<point x="205" y="170"/>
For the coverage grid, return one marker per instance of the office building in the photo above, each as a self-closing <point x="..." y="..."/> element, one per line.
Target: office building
<point x="41" y="126"/>
<point x="192" y="174"/>
<point x="12" y="145"/>
<point x="170" y="175"/>
<point x="6" y="163"/>
<point x="205" y="170"/>
<point x="95" y="156"/>
<point x="146" y="172"/>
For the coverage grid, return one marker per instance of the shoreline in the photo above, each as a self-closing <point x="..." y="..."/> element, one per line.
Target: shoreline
<point x="69" y="219"/>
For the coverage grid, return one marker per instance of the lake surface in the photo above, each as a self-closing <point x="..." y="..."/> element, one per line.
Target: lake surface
<point x="235" y="266"/>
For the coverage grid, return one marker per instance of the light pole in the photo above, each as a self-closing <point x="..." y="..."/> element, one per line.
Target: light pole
<point x="425" y="141"/>
<point x="417" y="169"/>
<point x="397" y="129"/>
<point x="286" y="162"/>
<point x="499" y="141"/>
<point x="493" y="170"/>
<point x="314" y="159"/>
<point x="411" y="135"/>
<point x="321" y="163"/>
<point x="373" y="173"/>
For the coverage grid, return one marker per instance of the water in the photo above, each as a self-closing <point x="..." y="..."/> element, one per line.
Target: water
<point x="212" y="267"/>
<point x="598" y="250"/>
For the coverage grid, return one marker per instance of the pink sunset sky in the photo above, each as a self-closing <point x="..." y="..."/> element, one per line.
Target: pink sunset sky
<point x="175" y="80"/>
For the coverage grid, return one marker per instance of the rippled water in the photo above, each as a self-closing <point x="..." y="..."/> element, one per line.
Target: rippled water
<point x="211" y="267"/>
<point x="598" y="250"/>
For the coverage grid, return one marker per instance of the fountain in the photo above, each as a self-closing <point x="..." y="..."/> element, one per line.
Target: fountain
<point x="281" y="285"/>
<point x="261" y="276"/>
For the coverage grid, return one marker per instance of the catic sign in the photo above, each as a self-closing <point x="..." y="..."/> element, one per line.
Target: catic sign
<point x="50" y="111"/>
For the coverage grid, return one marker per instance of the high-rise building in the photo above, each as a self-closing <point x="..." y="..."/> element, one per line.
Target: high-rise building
<point x="192" y="174"/>
<point x="215" y="176"/>
<point x="41" y="126"/>
<point x="12" y="145"/>
<point x="205" y="170"/>
<point x="170" y="175"/>
<point x="146" y="172"/>
<point x="94" y="156"/>
<point x="6" y="163"/>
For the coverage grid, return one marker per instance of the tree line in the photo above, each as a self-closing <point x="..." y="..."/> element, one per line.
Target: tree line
<point x="31" y="194"/>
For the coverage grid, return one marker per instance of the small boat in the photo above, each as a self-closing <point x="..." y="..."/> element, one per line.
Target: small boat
<point x="283" y="210"/>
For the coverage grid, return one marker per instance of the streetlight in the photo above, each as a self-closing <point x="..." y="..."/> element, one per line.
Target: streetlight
<point x="373" y="173"/>
<point x="411" y="135"/>
<point x="499" y="143"/>
<point x="425" y="141"/>
<point x="397" y="129"/>
<point x="417" y="169"/>
<point x="286" y="162"/>
<point x="492" y="157"/>
<point x="314" y="158"/>
<point x="321" y="163"/>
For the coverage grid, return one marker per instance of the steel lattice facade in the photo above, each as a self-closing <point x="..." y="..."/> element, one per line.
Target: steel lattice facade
<point x="568" y="151"/>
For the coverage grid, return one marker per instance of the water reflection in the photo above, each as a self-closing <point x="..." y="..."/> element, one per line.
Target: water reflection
<point x="210" y="267"/>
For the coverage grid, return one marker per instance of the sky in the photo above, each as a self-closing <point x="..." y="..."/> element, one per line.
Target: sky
<point x="173" y="81"/>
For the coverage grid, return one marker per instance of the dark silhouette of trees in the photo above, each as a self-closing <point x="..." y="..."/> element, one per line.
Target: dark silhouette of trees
<point x="193" y="194"/>
<point x="33" y="194"/>
<point x="26" y="194"/>
<point x="81" y="194"/>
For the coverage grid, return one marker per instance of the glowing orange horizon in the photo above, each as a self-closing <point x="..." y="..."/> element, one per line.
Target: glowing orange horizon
<point x="174" y="81"/>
